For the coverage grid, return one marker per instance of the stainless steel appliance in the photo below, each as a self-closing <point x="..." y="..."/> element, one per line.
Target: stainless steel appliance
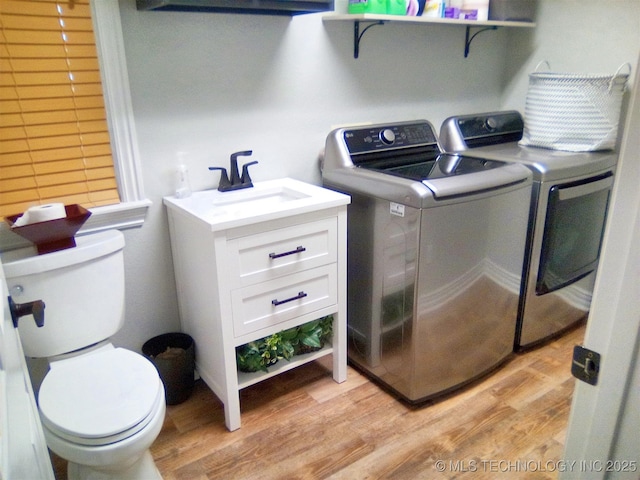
<point x="435" y="251"/>
<point x="566" y="221"/>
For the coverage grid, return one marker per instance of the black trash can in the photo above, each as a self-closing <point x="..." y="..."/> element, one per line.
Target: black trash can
<point x="173" y="355"/>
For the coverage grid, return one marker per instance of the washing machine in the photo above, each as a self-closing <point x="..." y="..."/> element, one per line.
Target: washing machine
<point x="567" y="215"/>
<point x="435" y="248"/>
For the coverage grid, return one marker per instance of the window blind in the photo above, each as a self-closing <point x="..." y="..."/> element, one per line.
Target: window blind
<point x="54" y="138"/>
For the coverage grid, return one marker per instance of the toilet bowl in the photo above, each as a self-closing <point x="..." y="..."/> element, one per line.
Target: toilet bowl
<point x="102" y="411"/>
<point x="101" y="406"/>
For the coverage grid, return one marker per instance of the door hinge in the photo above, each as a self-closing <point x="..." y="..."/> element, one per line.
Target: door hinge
<point x="585" y="365"/>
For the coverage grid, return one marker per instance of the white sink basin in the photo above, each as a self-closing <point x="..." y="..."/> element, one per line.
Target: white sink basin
<point x="263" y="202"/>
<point x="252" y="200"/>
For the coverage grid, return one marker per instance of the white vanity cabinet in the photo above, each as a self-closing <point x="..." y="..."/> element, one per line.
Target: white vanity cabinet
<point x="254" y="262"/>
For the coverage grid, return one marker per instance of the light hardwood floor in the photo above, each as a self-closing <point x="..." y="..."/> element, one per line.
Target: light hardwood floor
<point x="303" y="425"/>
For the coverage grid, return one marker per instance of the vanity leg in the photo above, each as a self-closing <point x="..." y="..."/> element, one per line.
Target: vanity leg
<point x="339" y="348"/>
<point x="232" y="412"/>
<point x="340" y="317"/>
<point x="232" y="393"/>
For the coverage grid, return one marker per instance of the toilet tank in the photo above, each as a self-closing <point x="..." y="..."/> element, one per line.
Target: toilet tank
<point x="82" y="288"/>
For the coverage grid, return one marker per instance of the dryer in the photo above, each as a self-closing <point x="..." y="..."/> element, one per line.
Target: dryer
<point x="567" y="215"/>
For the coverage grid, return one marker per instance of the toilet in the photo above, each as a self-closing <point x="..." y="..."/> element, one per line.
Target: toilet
<point x="101" y="406"/>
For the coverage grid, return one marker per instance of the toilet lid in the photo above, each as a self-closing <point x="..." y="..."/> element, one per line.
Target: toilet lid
<point x="99" y="394"/>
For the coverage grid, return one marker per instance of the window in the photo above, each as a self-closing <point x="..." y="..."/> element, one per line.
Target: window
<point x="108" y="210"/>
<point x="54" y="136"/>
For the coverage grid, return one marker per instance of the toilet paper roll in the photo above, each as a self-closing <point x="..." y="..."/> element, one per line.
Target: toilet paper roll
<point x="41" y="213"/>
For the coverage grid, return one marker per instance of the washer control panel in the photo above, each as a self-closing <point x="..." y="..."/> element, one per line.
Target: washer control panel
<point x="481" y="125"/>
<point x="468" y="131"/>
<point x="386" y="137"/>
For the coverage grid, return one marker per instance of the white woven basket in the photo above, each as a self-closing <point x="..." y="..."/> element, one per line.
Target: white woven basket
<point x="573" y="112"/>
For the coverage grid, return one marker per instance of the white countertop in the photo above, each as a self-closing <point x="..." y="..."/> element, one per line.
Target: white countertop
<point x="265" y="201"/>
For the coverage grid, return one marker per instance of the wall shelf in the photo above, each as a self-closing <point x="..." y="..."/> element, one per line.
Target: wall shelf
<point x="374" y="19"/>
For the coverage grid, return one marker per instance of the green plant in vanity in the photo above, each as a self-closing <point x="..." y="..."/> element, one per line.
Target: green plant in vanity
<point x="260" y="354"/>
<point x="249" y="357"/>
<point x="310" y="336"/>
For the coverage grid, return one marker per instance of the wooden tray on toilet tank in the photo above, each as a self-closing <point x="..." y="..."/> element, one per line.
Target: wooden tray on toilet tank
<point x="53" y="235"/>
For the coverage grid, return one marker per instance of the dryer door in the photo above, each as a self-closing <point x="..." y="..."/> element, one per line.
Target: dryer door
<point x="573" y="232"/>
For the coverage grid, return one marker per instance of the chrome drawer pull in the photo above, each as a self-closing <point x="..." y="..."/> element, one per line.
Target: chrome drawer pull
<point x="280" y="302"/>
<point x="292" y="252"/>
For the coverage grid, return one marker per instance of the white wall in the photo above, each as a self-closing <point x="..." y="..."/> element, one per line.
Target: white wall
<point x="576" y="36"/>
<point x="212" y="84"/>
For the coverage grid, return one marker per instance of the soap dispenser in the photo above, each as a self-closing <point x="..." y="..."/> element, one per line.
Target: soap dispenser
<point x="183" y="186"/>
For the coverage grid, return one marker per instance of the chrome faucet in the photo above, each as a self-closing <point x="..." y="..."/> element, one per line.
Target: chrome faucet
<point x="237" y="181"/>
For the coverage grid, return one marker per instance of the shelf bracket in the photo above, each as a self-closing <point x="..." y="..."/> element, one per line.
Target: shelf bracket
<point x="357" y="35"/>
<point x="468" y="39"/>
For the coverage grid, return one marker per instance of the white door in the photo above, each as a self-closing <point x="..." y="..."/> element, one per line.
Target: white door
<point x="603" y="438"/>
<point x="23" y="450"/>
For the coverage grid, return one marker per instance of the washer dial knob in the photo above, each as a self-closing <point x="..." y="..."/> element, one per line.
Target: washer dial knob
<point x="387" y="136"/>
<point x="491" y="124"/>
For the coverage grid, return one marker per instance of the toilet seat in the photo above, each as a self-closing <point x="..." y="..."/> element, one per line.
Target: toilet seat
<point x="101" y="397"/>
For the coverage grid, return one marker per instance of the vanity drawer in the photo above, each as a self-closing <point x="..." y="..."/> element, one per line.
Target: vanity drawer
<point x="273" y="253"/>
<point x="269" y="303"/>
